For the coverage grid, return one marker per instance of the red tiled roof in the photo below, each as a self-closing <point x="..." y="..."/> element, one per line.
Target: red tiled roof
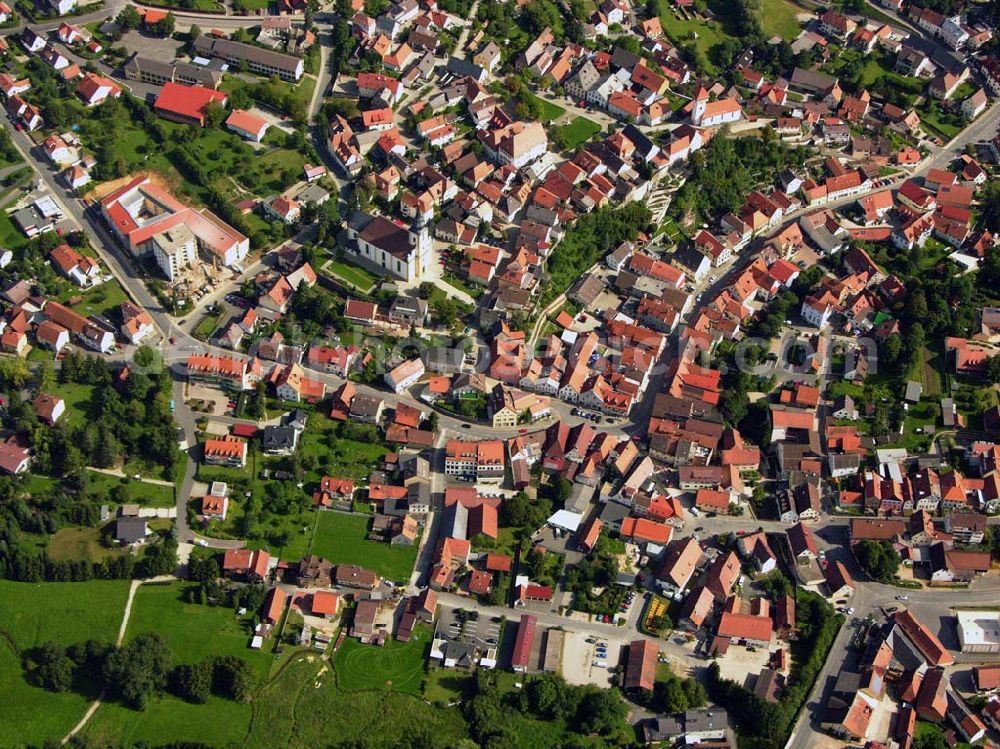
<point x="745" y="626"/>
<point x="187" y="101"/>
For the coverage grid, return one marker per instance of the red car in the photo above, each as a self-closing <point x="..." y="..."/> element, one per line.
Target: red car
<point x="522" y="431"/>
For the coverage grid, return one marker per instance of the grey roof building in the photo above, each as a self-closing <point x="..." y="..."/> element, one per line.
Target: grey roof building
<point x="129" y="531"/>
<point x="280" y="440"/>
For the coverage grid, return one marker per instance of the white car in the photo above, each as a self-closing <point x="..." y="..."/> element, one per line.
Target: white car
<point x="902" y="598"/>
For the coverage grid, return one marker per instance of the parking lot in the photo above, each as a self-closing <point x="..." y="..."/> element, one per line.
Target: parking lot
<point x="740" y="664"/>
<point x="207" y="400"/>
<point x="470" y="626"/>
<point x="585" y="662"/>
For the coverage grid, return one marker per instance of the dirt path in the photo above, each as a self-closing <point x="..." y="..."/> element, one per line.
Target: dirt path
<point x="121" y="638"/>
<point x="121" y="474"/>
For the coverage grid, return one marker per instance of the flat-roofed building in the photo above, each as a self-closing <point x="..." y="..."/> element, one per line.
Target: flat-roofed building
<point x="978" y="630"/>
<point x="258" y="60"/>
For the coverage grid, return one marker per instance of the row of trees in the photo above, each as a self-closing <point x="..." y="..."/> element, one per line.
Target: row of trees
<point x="766" y="725"/>
<point x="585" y="711"/>
<point x="138" y="671"/>
<point x="587" y="240"/>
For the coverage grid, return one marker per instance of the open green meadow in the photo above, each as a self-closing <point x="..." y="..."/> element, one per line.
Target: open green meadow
<point x="342" y="539"/>
<point x="31" y="614"/>
<point x="303" y="708"/>
<point x="398" y="666"/>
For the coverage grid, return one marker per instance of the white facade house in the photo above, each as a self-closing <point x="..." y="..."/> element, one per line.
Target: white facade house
<point x="174" y="250"/>
<point x="816" y="312"/>
<point x="390" y="248"/>
<point x="953" y="33"/>
<point x="406" y="374"/>
<point x="714" y="113"/>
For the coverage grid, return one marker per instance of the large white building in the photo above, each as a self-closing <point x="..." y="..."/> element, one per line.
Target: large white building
<point x="389" y="247"/>
<point x="174" y="250"/>
<point x="714" y="113"/>
<point x="146" y="218"/>
<point x="978" y="630"/>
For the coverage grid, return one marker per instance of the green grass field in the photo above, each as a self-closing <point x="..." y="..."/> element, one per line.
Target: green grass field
<point x="398" y="666"/>
<point x="10" y="235"/>
<point x="709" y="33"/>
<point x="80" y="543"/>
<point x="112" y="488"/>
<point x="193" y="631"/>
<point x="341" y="539"/>
<point x="303" y="90"/>
<point x="779" y="18"/>
<point x="207" y="326"/>
<point x="31" y="614"/>
<point x="78" y="401"/>
<point x="354" y="275"/>
<point x="200" y="6"/>
<point x="303" y="708"/>
<point x="938" y="125"/>
<point x="548" y="110"/>
<point x="577" y="132"/>
<point x="98" y="300"/>
<point x="339" y="457"/>
<point x="218" y="722"/>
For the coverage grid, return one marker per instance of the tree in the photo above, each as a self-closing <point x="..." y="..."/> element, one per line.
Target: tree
<point x="194" y="682"/>
<point x="165" y="27"/>
<point x="878" y="559"/>
<point x="892" y="350"/>
<point x="600" y="711"/>
<point x="991" y="205"/>
<point x="233" y="678"/>
<point x="55" y="668"/>
<point x="193" y="33"/>
<point x="203" y="570"/>
<point x="128" y="18"/>
<point x="696" y="694"/>
<point x="140" y="669"/>
<point x="671" y="695"/>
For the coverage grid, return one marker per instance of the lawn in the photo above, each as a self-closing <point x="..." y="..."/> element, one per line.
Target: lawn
<point x="398" y="666"/>
<point x="577" y="132"/>
<point x="202" y="6"/>
<point x="779" y="18"/>
<point x="463" y="285"/>
<point x="926" y="731"/>
<point x="353" y="275"/>
<point x="303" y="707"/>
<point x="115" y="489"/>
<point x="78" y="401"/>
<point x="547" y="110"/>
<point x="31" y="614"/>
<point x="80" y="543"/>
<point x="446" y="685"/>
<point x="303" y="90"/>
<point x="230" y="165"/>
<point x="937" y="124"/>
<point x="709" y="33"/>
<point x="10" y="236"/>
<point x="194" y="631"/>
<point x="208" y="325"/>
<point x="97" y="300"/>
<point x="341" y="539"/>
<point x="339" y="457"/>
